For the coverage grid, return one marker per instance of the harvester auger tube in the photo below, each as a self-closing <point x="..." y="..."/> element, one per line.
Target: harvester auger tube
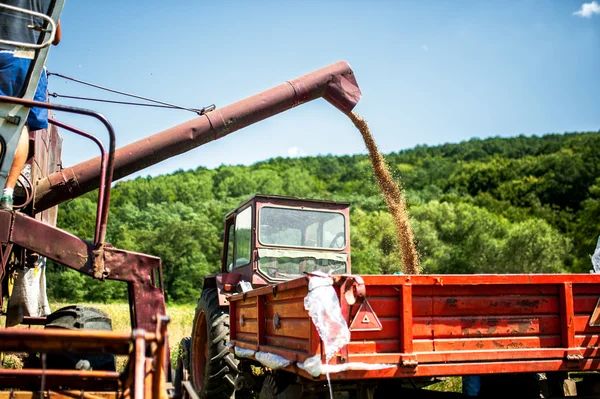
<point x="335" y="83"/>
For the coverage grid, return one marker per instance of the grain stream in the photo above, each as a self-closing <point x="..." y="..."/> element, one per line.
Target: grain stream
<point x="394" y="198"/>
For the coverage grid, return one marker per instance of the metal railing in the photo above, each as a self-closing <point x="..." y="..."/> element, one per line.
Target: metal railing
<point x="32" y="46"/>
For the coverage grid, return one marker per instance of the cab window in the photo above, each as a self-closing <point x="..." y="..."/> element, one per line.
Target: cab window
<point x="243" y="223"/>
<point x="230" y="241"/>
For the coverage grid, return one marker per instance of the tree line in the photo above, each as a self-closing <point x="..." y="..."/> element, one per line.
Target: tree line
<point x="498" y="205"/>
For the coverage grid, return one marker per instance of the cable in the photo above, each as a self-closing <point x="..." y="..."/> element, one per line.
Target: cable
<point x="168" y="105"/>
<point x="57" y="95"/>
<point x="28" y="191"/>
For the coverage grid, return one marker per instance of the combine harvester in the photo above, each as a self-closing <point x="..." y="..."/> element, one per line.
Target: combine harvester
<point x="298" y="315"/>
<point x="75" y="351"/>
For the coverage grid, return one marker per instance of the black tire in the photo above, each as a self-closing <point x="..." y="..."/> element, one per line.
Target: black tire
<point x="213" y="368"/>
<point x="280" y="387"/>
<point x="79" y="317"/>
<point x="182" y="369"/>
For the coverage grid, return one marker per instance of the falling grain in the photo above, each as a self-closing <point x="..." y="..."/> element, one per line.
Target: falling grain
<point x="393" y="197"/>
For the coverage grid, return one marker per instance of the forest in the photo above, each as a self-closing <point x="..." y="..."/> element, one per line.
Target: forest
<point x="496" y="205"/>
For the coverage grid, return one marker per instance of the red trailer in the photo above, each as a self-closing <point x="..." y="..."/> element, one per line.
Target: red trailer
<point x="283" y="260"/>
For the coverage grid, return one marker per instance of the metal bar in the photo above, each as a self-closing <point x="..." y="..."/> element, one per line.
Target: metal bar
<point x="481" y="279"/>
<point x="11" y="132"/>
<point x="450" y="369"/>
<point x="139" y="365"/>
<point x="406" y="318"/>
<point x="49" y="241"/>
<point x="261" y="321"/>
<point x="299" y="282"/>
<point x="335" y="83"/>
<point x="102" y="189"/>
<point x="60" y="394"/>
<point x="160" y="364"/>
<point x="34" y="321"/>
<point x="5" y="256"/>
<point x="111" y="147"/>
<point x="484" y="356"/>
<point x="60" y="341"/>
<point x="233" y="320"/>
<point x="190" y="390"/>
<point x="98" y="375"/>
<point x="35" y="14"/>
<point x="567" y="315"/>
<point x="136" y="269"/>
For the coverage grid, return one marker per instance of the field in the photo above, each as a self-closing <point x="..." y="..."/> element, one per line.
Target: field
<point x="180" y="326"/>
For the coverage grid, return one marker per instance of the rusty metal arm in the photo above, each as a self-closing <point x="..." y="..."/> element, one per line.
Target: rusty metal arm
<point x="137" y="270"/>
<point x="105" y="161"/>
<point x="335" y="83"/>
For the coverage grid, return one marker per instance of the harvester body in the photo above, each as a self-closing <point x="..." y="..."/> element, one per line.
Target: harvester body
<point x="29" y="233"/>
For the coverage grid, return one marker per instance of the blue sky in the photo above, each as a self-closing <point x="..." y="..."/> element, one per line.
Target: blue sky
<point x="431" y="72"/>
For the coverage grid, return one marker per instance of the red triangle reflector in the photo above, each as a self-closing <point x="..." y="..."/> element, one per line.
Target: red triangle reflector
<point x="365" y="319"/>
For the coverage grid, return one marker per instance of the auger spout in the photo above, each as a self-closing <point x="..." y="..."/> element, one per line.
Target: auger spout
<point x="335" y="83"/>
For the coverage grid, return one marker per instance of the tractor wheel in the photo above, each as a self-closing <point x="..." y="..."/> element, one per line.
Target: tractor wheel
<point x="183" y="366"/>
<point x="79" y="317"/>
<point x="213" y="369"/>
<point x="280" y="387"/>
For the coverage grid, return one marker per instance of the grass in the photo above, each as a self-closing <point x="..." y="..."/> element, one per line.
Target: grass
<point x="180" y="325"/>
<point x="449" y="384"/>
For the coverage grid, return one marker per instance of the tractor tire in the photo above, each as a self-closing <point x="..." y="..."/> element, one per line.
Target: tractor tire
<point x="213" y="368"/>
<point x="279" y="387"/>
<point x="78" y="317"/>
<point x="183" y="367"/>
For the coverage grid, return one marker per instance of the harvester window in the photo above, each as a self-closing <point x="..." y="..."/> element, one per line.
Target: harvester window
<point x="243" y="223"/>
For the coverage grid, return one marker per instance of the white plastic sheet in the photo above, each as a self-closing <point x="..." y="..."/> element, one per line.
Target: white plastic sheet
<point x="323" y="307"/>
<point x="596" y="257"/>
<point x="314" y="367"/>
<point x="272" y="360"/>
<point x="243" y="352"/>
<point x="28" y="296"/>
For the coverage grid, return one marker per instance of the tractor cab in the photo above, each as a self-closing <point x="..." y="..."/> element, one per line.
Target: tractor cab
<point x="270" y="239"/>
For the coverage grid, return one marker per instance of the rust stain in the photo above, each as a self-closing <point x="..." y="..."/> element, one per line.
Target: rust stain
<point x="452" y="302"/>
<point x="498" y="345"/>
<point x="524" y="326"/>
<point x="528" y="303"/>
<point x="467" y="322"/>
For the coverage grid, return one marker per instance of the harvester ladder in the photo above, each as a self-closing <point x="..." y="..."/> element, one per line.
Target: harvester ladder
<point x="13" y="116"/>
